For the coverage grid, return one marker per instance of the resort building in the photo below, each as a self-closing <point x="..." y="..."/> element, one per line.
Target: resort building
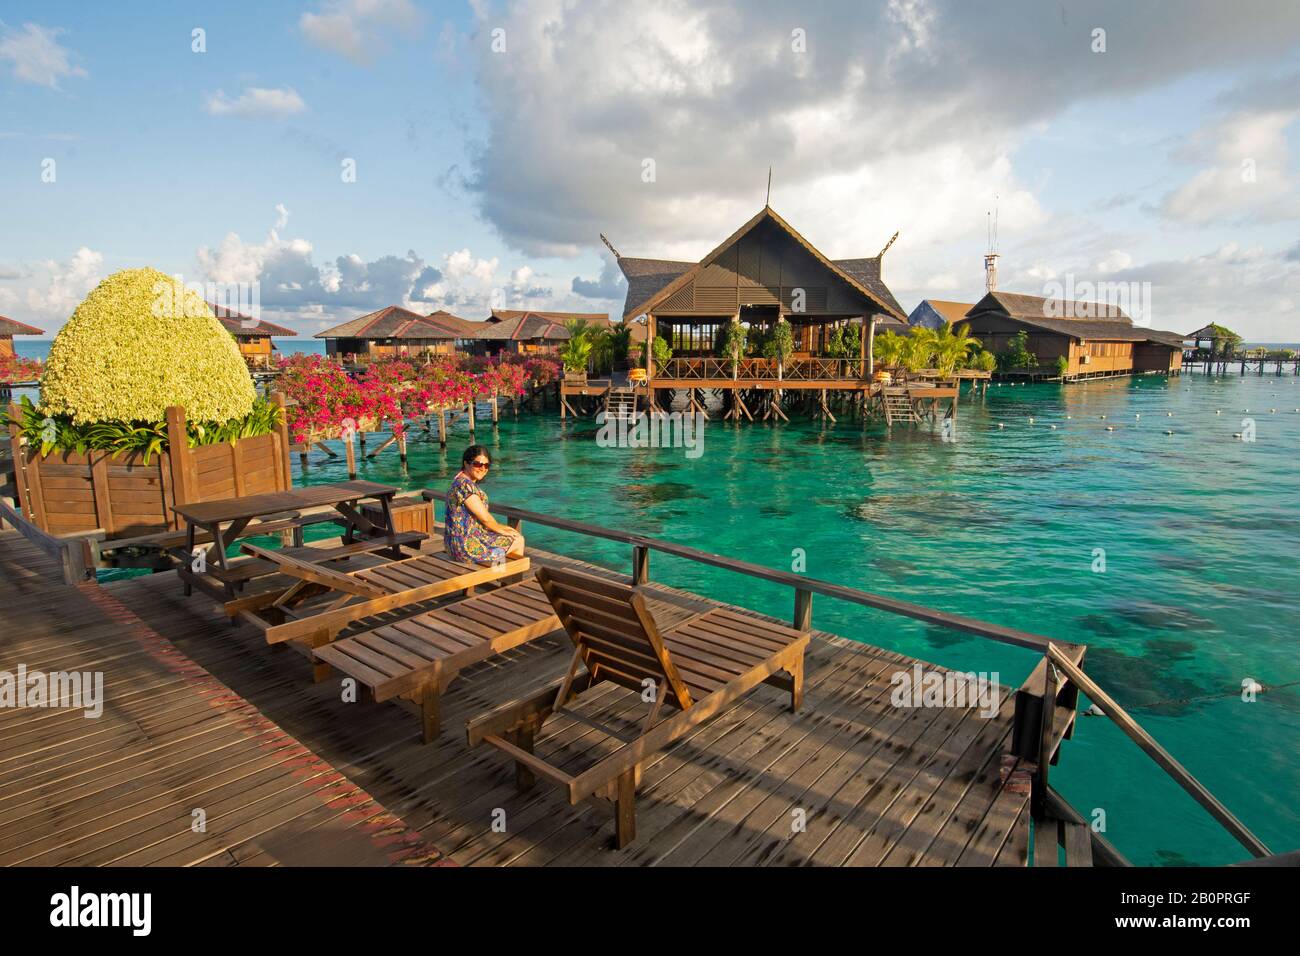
<point x="252" y="335"/>
<point x="763" y="272"/>
<point x="11" y="327"/>
<point x="1096" y="339"/>
<point x="393" y="331"/>
<point x="933" y="313"/>
<point x="529" y="332"/>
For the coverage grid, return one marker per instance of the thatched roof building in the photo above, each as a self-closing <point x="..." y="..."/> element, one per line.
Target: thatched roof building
<point x="1094" y="337"/>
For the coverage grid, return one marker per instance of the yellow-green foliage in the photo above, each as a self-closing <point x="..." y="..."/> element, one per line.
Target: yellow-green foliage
<point x="138" y="343"/>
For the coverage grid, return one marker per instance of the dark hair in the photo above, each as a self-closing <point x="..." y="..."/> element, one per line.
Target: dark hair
<point x="472" y="452"/>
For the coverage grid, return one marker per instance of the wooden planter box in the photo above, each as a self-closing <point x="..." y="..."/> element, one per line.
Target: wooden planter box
<point x="67" y="492"/>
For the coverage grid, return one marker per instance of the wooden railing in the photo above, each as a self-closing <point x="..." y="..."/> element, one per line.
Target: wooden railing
<point x="1046" y="705"/>
<point x="72" y="553"/>
<point x="760" y="369"/>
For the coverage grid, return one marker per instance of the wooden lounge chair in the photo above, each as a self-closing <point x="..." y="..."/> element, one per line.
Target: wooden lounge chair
<point x="696" y="668"/>
<point x="322" y="601"/>
<point x="415" y="659"/>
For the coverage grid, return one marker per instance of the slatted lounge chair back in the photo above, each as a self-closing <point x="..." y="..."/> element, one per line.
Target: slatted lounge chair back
<point x="614" y="633"/>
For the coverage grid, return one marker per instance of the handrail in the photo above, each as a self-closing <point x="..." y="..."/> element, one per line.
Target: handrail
<point x="802" y="584"/>
<point x="1057" y="652"/>
<point x="1107" y="705"/>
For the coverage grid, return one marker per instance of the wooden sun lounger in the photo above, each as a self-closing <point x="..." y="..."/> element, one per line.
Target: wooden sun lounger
<point x="696" y="668"/>
<point x="415" y="659"/>
<point x="339" y="598"/>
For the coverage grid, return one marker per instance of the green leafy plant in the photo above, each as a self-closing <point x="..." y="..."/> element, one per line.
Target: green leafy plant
<point x="734" y="340"/>
<point x="1062" y="365"/>
<point x="60" y="433"/>
<point x="779" y="345"/>
<point x="661" y="350"/>
<point x="576" y="352"/>
<point x="888" y="349"/>
<point x="983" y="361"/>
<point x="918" y="349"/>
<point x="1017" y="354"/>
<point x="952" y="349"/>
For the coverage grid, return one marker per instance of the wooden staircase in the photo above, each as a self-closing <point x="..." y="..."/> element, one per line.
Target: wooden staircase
<point x="620" y="403"/>
<point x="898" y="406"/>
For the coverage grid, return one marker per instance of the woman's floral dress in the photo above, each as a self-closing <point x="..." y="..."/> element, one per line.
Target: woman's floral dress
<point x="464" y="536"/>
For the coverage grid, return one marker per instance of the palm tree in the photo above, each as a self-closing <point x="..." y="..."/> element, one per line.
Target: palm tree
<point x="918" y="348"/>
<point x="888" y="349"/>
<point x="952" y="349"/>
<point x="576" y="352"/>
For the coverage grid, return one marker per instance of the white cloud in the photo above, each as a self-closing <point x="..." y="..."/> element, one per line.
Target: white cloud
<point x="354" y="28"/>
<point x="1249" y="178"/>
<point x="257" y="101"/>
<point x="59" y="287"/>
<point x="887" y="101"/>
<point x="36" y="56"/>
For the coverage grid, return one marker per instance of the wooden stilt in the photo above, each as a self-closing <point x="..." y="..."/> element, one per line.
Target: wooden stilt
<point x="469" y="410"/>
<point x="351" y="450"/>
<point x="442" y="427"/>
<point x="496" y="414"/>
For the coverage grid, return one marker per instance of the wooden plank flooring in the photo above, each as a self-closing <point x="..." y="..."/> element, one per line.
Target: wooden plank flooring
<point x="122" y="788"/>
<point x="850" y="780"/>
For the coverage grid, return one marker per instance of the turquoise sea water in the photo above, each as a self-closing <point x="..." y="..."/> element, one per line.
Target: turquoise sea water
<point x="1200" y="532"/>
<point x="1200" y="590"/>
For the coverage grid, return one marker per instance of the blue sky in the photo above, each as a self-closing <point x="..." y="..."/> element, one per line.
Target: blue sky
<point x="494" y="142"/>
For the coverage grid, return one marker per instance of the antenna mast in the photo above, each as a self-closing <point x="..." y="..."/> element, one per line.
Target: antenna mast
<point x="610" y="246"/>
<point x="991" y="256"/>
<point x="768" y="200"/>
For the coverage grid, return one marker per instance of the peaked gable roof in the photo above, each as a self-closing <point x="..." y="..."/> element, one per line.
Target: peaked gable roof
<point x="648" y="272"/>
<point x="392" y="322"/>
<point x="245" y="326"/>
<point x="462" y="328"/>
<point x="1080" y="320"/>
<point x="10" y="326"/>
<point x="946" y="309"/>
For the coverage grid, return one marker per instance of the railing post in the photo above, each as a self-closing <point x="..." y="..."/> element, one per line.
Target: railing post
<point x="802" y="610"/>
<point x="1038" y="798"/>
<point x="640" y="565"/>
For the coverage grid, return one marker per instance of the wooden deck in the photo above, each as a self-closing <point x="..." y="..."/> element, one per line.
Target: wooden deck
<point x="870" y="783"/>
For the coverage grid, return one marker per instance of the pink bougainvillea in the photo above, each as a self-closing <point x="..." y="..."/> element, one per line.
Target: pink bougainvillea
<point x="15" y="369"/>
<point x="389" y="393"/>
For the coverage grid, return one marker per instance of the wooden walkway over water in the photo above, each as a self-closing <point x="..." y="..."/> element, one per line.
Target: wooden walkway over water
<point x="201" y="714"/>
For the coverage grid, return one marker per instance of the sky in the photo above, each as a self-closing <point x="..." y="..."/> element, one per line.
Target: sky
<point x="346" y="155"/>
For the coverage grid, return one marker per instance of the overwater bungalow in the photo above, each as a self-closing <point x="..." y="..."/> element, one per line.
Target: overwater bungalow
<point x="252" y="335"/>
<point x="763" y="272"/>
<point x="933" y="313"/>
<point x="529" y="332"/>
<point x="11" y="327"/>
<point x="1097" y="340"/>
<point x="390" y="332"/>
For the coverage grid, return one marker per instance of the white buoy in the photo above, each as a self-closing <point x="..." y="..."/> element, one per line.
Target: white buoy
<point x="1053" y="428"/>
<point x="1169" y="414"/>
<point x="1236" y="434"/>
<point x="1000" y="425"/>
<point x="1138" y="415"/>
<point x="1168" y="432"/>
<point x="1103" y="418"/>
<point x="1031" y="421"/>
<point x="1110" y="428"/>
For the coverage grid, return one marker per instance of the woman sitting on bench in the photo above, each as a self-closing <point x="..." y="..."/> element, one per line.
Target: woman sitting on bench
<point x="471" y="533"/>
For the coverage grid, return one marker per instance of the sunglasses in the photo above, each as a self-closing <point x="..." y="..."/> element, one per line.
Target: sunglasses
<point x="481" y="464"/>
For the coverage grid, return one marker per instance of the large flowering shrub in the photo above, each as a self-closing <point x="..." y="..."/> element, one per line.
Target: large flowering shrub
<point x="137" y="344"/>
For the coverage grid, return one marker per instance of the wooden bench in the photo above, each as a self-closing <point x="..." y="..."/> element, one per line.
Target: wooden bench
<point x="414" y="660"/>
<point x="321" y="601"/>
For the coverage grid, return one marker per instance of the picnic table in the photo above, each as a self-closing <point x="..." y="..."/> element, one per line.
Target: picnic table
<point x="227" y="518"/>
